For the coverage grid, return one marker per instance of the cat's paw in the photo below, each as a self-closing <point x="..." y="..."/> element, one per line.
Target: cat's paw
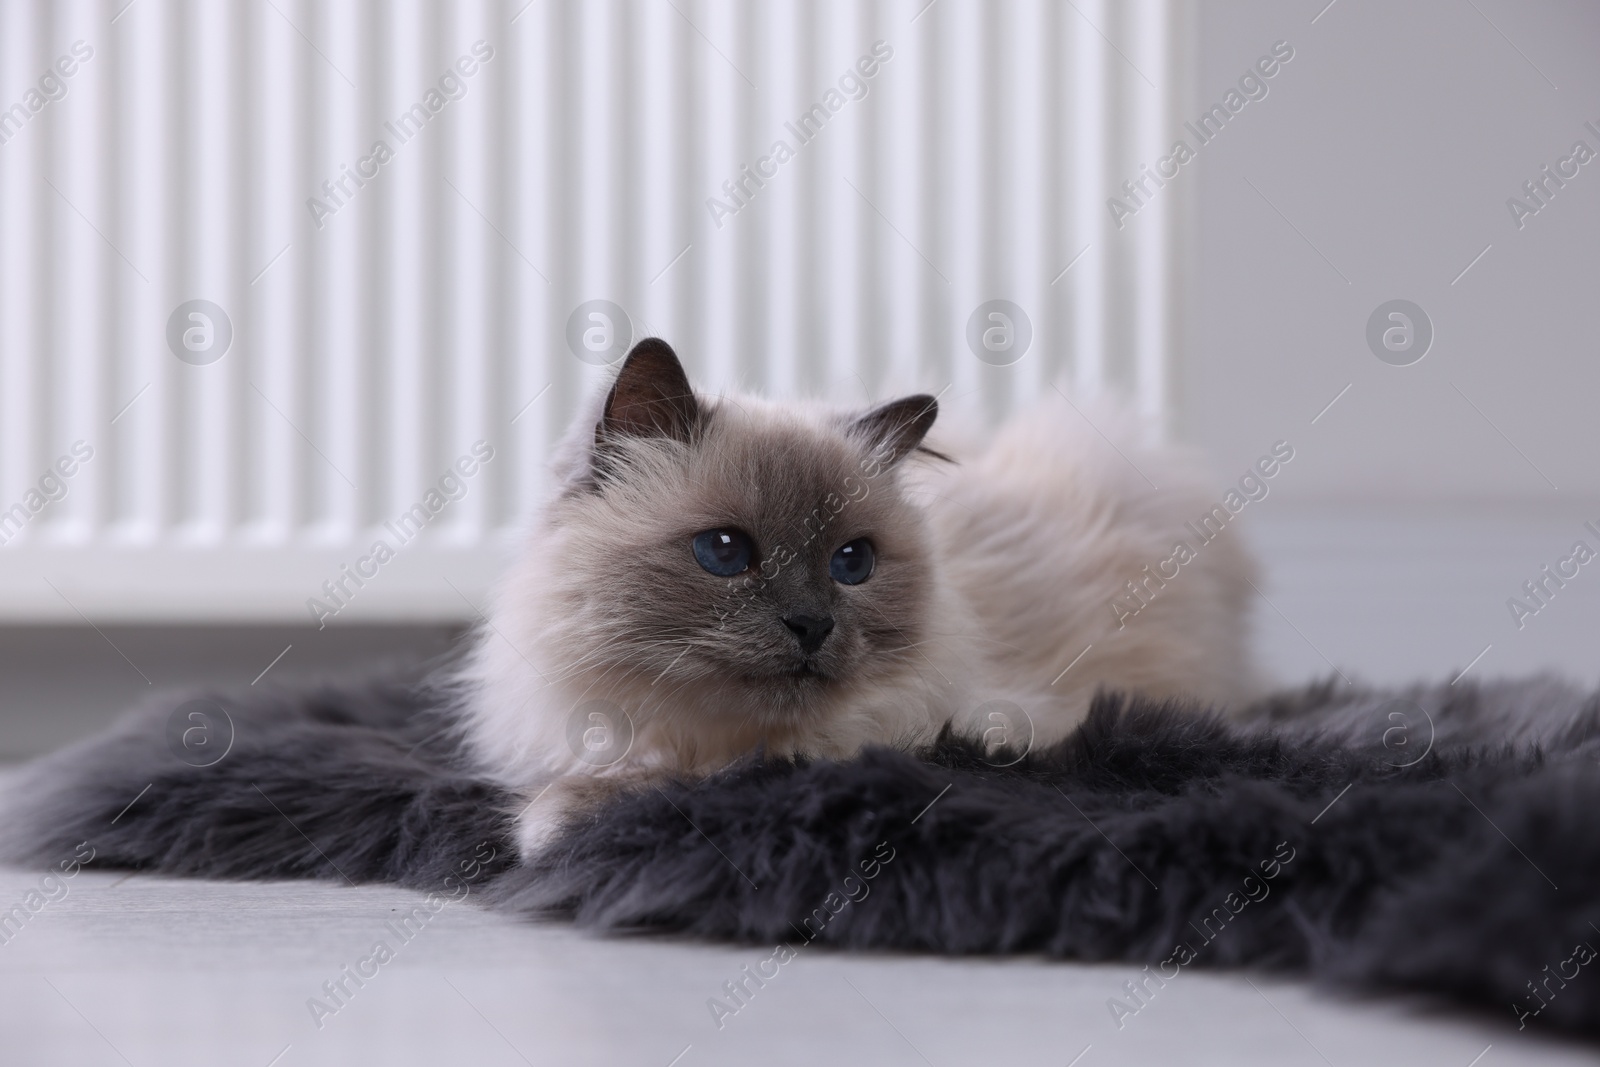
<point x="536" y="833"/>
<point x="559" y="808"/>
<point x="548" y="814"/>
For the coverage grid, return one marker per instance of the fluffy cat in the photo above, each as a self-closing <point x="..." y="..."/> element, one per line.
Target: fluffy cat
<point x="719" y="575"/>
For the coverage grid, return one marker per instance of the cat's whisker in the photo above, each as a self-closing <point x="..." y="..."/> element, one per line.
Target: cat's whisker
<point x="599" y="666"/>
<point x="919" y="652"/>
<point x="603" y="654"/>
<point x="663" y="699"/>
<point x="904" y="648"/>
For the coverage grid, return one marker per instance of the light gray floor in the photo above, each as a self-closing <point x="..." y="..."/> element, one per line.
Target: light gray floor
<point x="154" y="972"/>
<point x="60" y="683"/>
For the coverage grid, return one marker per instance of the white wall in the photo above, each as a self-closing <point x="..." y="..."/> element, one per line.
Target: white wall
<point x="1391" y="144"/>
<point x="1378" y="168"/>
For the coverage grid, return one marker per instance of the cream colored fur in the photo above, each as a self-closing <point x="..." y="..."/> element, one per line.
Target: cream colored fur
<point x="998" y="570"/>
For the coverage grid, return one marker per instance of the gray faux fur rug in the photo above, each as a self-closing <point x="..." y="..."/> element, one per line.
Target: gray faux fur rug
<point x="1437" y="839"/>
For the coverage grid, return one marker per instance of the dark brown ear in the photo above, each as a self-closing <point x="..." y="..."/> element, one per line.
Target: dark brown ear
<point x="894" y="430"/>
<point x="651" y="397"/>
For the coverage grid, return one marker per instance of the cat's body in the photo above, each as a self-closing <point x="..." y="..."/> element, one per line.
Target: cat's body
<point x="617" y="649"/>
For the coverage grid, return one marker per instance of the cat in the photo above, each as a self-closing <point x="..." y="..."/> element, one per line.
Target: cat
<point x="718" y="576"/>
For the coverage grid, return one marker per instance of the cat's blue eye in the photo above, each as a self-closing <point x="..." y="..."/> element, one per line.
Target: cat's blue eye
<point x="852" y="564"/>
<point x="724" y="553"/>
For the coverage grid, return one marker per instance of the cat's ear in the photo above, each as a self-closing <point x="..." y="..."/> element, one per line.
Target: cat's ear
<point x="896" y="429"/>
<point x="651" y="397"/>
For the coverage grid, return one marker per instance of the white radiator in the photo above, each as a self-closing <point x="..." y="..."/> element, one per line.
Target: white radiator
<point x="174" y="176"/>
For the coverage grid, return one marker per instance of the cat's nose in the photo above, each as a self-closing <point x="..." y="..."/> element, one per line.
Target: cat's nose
<point x="809" y="630"/>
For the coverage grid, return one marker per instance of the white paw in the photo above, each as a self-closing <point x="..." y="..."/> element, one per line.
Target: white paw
<point x="540" y="823"/>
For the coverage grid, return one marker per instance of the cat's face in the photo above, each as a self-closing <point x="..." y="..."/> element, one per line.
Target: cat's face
<point x="755" y="559"/>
